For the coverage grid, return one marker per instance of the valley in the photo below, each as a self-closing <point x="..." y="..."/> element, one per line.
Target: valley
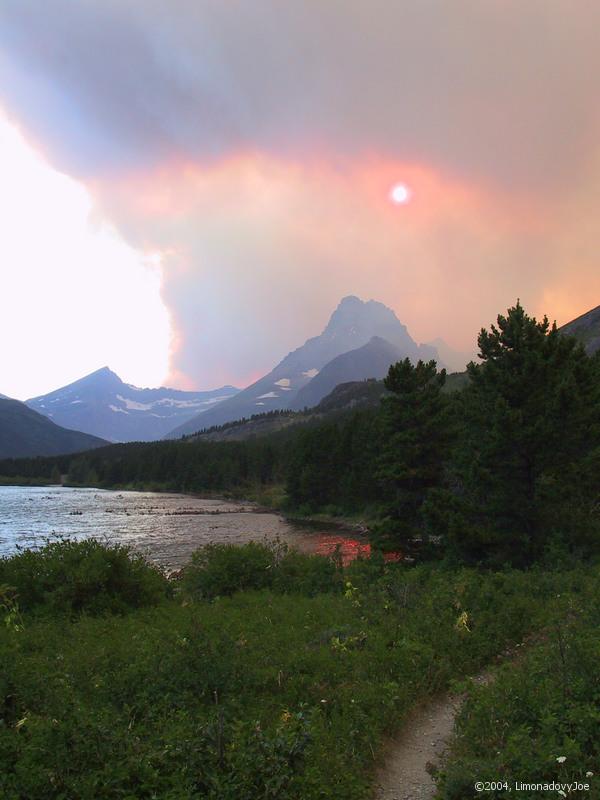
<point x="276" y="649"/>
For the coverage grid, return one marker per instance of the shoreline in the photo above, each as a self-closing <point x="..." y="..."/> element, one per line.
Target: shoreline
<point x="210" y="509"/>
<point x="360" y="527"/>
<point x="337" y="523"/>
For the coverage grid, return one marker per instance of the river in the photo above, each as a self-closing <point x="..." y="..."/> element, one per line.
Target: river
<point x="166" y="528"/>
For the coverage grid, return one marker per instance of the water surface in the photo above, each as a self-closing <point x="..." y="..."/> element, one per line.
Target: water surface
<point x="166" y="528"/>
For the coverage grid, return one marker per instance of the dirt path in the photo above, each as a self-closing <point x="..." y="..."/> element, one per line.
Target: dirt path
<point x="420" y="744"/>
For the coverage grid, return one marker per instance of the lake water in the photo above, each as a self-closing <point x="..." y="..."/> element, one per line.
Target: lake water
<point x="166" y="528"/>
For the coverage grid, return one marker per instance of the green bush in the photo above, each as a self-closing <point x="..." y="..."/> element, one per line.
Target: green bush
<point x="306" y="574"/>
<point x="257" y="695"/>
<point x="87" y="576"/>
<point x="261" y="694"/>
<point x="220" y="570"/>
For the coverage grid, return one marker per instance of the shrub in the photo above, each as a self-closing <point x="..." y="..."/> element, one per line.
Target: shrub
<point x="265" y="695"/>
<point x="539" y="718"/>
<point x="88" y="576"/>
<point x="220" y="570"/>
<point x="366" y="571"/>
<point x="306" y="574"/>
<point x="223" y="569"/>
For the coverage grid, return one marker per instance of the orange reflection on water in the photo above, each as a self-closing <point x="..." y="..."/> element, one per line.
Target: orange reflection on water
<point x="349" y="549"/>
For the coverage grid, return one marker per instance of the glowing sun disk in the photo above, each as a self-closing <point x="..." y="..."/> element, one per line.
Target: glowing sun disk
<point x="400" y="194"/>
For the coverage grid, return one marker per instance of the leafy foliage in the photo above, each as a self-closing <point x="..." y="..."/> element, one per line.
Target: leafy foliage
<point x="539" y="720"/>
<point x="71" y="577"/>
<point x="222" y="569"/>
<point x="259" y="694"/>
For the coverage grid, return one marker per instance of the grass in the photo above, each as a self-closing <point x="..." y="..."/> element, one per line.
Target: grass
<point x="284" y="691"/>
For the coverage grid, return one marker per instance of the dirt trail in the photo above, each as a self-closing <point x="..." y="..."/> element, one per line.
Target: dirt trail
<point x="421" y="742"/>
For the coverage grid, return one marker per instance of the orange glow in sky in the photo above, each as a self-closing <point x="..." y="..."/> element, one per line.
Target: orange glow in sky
<point x="208" y="193"/>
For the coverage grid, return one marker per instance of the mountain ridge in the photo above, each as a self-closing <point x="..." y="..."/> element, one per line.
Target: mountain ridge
<point x="25" y="433"/>
<point x="372" y="360"/>
<point x="351" y="325"/>
<point x="101" y="404"/>
<point x="586" y="328"/>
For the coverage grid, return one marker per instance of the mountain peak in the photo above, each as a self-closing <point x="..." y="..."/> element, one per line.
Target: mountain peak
<point x="101" y="404"/>
<point x="351" y="300"/>
<point x="361" y="317"/>
<point x="103" y="372"/>
<point x="368" y="333"/>
<point x="103" y="377"/>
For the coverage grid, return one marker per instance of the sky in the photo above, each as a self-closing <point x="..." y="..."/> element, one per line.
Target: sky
<point x="189" y="187"/>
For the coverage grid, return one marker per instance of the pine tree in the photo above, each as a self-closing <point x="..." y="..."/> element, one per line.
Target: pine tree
<point x="531" y="423"/>
<point x="416" y="433"/>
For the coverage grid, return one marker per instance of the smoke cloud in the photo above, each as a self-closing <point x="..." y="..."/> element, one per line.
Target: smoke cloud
<point x="253" y="146"/>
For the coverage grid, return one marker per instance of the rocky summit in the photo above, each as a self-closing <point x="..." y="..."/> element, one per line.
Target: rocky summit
<point x="352" y="325"/>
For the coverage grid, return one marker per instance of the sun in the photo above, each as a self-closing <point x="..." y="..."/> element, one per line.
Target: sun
<point x="400" y="194"/>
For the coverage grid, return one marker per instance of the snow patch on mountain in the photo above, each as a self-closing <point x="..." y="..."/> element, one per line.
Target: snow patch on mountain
<point x="133" y="405"/>
<point x="214" y="400"/>
<point x="173" y="403"/>
<point x="103" y="405"/>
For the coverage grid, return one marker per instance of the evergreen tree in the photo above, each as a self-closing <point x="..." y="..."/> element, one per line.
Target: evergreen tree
<point x="415" y="440"/>
<point x="313" y="468"/>
<point x="529" y="443"/>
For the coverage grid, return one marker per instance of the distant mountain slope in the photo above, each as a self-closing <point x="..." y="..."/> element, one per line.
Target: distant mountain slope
<point x="24" y="433"/>
<point x="352" y="324"/>
<point x="372" y="360"/>
<point x="586" y="328"/>
<point x="356" y="394"/>
<point x="103" y="405"/>
<point x="345" y="397"/>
